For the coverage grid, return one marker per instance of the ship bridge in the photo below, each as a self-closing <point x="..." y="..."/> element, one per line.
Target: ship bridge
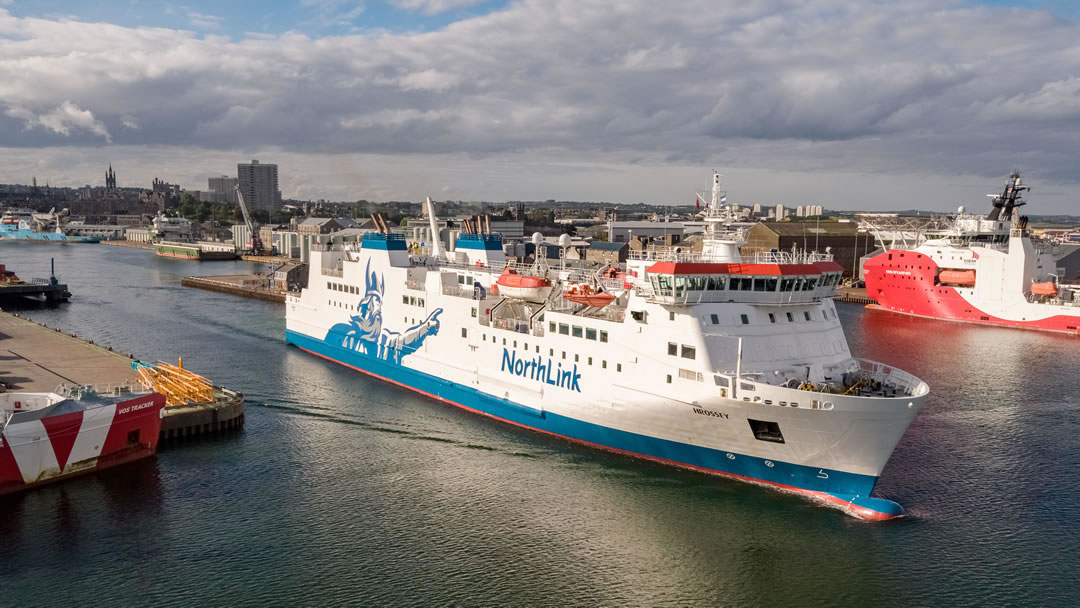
<point x="770" y="279"/>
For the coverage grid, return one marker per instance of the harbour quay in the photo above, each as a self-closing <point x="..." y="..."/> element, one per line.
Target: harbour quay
<point x="37" y="358"/>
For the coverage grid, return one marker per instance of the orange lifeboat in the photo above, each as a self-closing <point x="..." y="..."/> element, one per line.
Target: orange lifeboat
<point x="585" y="294"/>
<point x="1044" y="289"/>
<point x="957" y="277"/>
<point x="523" y="286"/>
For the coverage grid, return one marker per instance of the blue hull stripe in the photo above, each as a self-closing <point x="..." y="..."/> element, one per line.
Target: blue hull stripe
<point x="836" y="486"/>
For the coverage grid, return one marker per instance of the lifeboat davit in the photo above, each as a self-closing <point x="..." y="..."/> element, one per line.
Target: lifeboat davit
<point x="957" y="277"/>
<point x="585" y="294"/>
<point x="523" y="286"/>
<point x="1044" y="289"/>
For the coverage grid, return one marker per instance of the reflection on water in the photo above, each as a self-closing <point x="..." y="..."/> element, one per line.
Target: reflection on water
<point x="342" y="489"/>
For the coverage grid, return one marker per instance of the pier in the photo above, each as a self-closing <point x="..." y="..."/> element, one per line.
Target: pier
<point x="854" y="295"/>
<point x="245" y="285"/>
<point x="37" y="358"/>
<point x="132" y="244"/>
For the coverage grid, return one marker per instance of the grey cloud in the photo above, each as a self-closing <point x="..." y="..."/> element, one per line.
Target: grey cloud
<point x="889" y="88"/>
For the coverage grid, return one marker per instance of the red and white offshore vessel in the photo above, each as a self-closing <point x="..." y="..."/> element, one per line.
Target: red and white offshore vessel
<point x="46" y="437"/>
<point x="978" y="270"/>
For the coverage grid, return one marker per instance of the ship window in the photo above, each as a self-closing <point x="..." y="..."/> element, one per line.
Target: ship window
<point x="759" y="284"/>
<point x="720" y="380"/>
<point x="404" y="299"/>
<point x="484" y="337"/>
<point x="474" y="312"/>
<point x="575" y="331"/>
<point x="590" y="360"/>
<point x="787" y="284"/>
<point x="671" y="316"/>
<point x="790" y="318"/>
<point x="464" y="332"/>
<point x="772" y="318"/>
<point x="618" y="367"/>
<point x="603" y="336"/>
<point x="551" y="326"/>
<point x="770" y="284"/>
<point x="576" y="359"/>
<point x="810" y="284"/>
<point x="697" y="283"/>
<point x="133" y="437"/>
<point x="689" y="352"/>
<point x="806" y="314"/>
<point x="551" y="352"/>
<point x="766" y="431"/>
<point x="669" y="378"/>
<point x="564" y="329"/>
<point x="590" y="333"/>
<point x="504" y="341"/>
<point x="745" y="319"/>
<point x="672" y="348"/>
<point x="461" y="279"/>
<point x="328" y="285"/>
<point x="564" y="354"/>
<point x="515" y="343"/>
<point x="715" y="319"/>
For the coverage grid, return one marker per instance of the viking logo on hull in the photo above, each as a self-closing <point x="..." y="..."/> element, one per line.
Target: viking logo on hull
<point x="365" y="332"/>
<point x="541" y="369"/>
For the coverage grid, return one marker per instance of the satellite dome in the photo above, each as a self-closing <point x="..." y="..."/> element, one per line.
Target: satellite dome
<point x="565" y="240"/>
<point x="537" y="238"/>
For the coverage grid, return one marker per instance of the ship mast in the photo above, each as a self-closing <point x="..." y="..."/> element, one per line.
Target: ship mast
<point x="1009" y="199"/>
<point x="722" y="240"/>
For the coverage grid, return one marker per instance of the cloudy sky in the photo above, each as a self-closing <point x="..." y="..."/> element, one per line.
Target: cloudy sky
<point x="871" y="105"/>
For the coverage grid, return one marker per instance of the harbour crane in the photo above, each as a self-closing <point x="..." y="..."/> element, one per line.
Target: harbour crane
<point x="253" y="228"/>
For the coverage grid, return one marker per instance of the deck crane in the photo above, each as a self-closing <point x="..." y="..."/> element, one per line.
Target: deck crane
<point x="253" y="228"/>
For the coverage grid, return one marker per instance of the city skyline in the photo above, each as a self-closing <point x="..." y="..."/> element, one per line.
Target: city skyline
<point x="908" y="105"/>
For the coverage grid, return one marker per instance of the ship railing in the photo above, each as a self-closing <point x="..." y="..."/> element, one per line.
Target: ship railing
<point x="891" y="376"/>
<point x="612" y="312"/>
<point x="38" y="281"/>
<point x="787" y="257"/>
<point x="514" y="325"/>
<point x="115" y="389"/>
<point x="665" y="254"/>
<point x="332" y="272"/>
<point x="415" y="285"/>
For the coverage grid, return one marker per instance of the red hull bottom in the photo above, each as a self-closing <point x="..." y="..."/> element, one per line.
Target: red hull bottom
<point x="993" y="321"/>
<point x="104" y="463"/>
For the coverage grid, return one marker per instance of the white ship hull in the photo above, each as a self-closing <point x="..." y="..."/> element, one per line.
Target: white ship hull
<point x="605" y="381"/>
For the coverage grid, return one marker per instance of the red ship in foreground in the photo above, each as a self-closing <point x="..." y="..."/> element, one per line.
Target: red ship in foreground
<point x="978" y="270"/>
<point x="46" y="437"/>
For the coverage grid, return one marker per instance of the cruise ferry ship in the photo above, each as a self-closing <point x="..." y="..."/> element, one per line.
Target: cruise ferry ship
<point x="18" y="225"/>
<point x="704" y="360"/>
<point x="978" y="269"/>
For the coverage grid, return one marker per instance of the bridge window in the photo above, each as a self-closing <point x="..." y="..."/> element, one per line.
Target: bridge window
<point x="697" y="283"/>
<point x="590" y="333"/>
<point x="603" y="336"/>
<point x="688" y="352"/>
<point x="564" y="329"/>
<point x="672" y="349"/>
<point x="576" y="331"/>
<point x="745" y="319"/>
<point x="790" y="318"/>
<point x="715" y="319"/>
<point x="806" y="314"/>
<point x="772" y="318"/>
<point x="770" y="284"/>
<point x="787" y="284"/>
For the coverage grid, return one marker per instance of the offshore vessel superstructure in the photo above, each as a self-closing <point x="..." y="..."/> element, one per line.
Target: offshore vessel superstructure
<point x="702" y="360"/>
<point x="978" y="269"/>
